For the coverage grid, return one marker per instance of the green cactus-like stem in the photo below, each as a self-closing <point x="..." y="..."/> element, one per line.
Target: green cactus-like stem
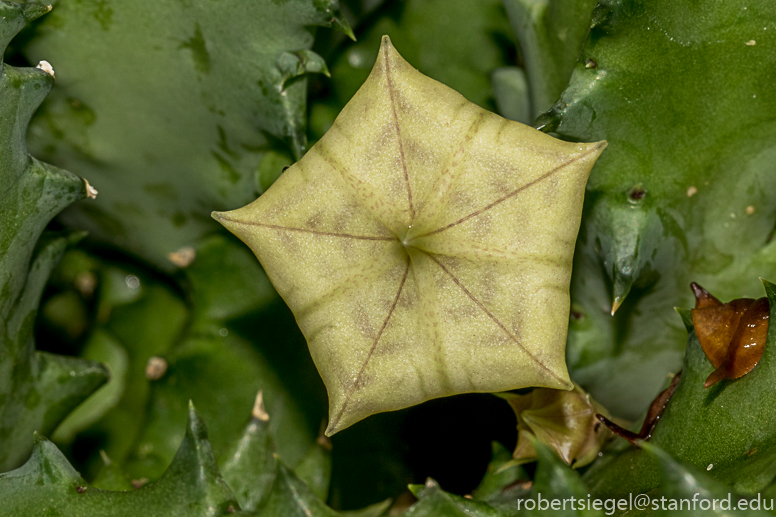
<point x="173" y="134"/>
<point x="36" y="390"/>
<point x="551" y="34"/>
<point x="725" y="430"/>
<point x="213" y="362"/>
<point x="192" y="485"/>
<point x="686" y="189"/>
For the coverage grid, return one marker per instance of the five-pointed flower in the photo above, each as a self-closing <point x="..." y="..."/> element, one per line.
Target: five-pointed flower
<point x="424" y="245"/>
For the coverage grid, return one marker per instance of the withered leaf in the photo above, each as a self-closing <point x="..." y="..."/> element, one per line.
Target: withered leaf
<point x="651" y="419"/>
<point x="732" y="334"/>
<point x="424" y="246"/>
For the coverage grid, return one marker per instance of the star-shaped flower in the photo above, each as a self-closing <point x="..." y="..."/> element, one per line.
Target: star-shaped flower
<point x="424" y="245"/>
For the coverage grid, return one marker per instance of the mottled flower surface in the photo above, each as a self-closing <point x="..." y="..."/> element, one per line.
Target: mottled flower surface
<point x="424" y="245"/>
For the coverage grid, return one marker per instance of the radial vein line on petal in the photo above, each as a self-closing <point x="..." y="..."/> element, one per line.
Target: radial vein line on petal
<point x="492" y="317"/>
<point x="314" y="232"/>
<point x="374" y="346"/>
<point x="398" y="135"/>
<point x="513" y="193"/>
<point x="345" y="174"/>
<point x="447" y="178"/>
<point x="355" y="282"/>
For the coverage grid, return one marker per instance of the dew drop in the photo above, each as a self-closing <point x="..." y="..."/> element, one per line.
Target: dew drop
<point x="132" y="281"/>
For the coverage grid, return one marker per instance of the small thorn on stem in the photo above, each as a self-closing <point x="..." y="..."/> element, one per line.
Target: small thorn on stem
<point x="183" y="257"/>
<point x="324" y="442"/>
<point x="259" y="412"/>
<point x="91" y="192"/>
<point x="86" y="283"/>
<point x="139" y="483"/>
<point x="155" y="369"/>
<point x="46" y="67"/>
<point x="616" y="304"/>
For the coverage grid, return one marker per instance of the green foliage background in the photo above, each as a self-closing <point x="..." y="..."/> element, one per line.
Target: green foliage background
<point x="175" y="108"/>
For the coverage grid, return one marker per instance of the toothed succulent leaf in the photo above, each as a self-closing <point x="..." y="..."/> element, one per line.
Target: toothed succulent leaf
<point x="103" y="348"/>
<point x="551" y="35"/>
<point x="214" y="86"/>
<point x="164" y="351"/>
<point x="705" y="496"/>
<point x="314" y="469"/>
<point x="375" y="510"/>
<point x="724" y="430"/>
<point x="265" y="486"/>
<point x="37" y="390"/>
<point x="424" y="245"/>
<point x="290" y="497"/>
<point x="249" y="466"/>
<point x="556" y="480"/>
<point x="691" y="159"/>
<point x="434" y="502"/>
<point x="110" y="476"/>
<point x="48" y="485"/>
<point x="502" y="471"/>
<point x="213" y="363"/>
<point x="137" y="319"/>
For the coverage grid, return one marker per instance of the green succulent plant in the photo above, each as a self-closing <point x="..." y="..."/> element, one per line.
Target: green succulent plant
<point x="189" y="140"/>
<point x="685" y="191"/>
<point x="37" y="390"/>
<point x="173" y="109"/>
